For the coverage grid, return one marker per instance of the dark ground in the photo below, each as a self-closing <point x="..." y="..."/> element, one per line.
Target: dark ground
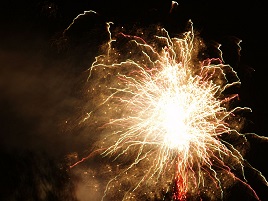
<point x="41" y="79"/>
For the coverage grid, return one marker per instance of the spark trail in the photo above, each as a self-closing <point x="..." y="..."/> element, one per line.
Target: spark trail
<point x="165" y="118"/>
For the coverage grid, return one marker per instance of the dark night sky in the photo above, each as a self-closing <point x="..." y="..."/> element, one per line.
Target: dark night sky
<point x="42" y="77"/>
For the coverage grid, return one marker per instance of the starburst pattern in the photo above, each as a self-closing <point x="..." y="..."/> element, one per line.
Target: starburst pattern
<point x="165" y="117"/>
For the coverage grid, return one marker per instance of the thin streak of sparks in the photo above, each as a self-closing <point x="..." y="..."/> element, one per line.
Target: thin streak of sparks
<point x="86" y="158"/>
<point x="239" y="50"/>
<point x="168" y="113"/>
<point x="77" y="17"/>
<point x="219" y="48"/>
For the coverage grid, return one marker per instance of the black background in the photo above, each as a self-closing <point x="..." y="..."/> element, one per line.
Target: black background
<point x="42" y="77"/>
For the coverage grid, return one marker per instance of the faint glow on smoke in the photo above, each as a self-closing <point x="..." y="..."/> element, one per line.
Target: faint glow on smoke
<point x="164" y="118"/>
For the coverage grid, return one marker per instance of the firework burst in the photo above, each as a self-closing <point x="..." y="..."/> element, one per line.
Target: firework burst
<point x="165" y="118"/>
